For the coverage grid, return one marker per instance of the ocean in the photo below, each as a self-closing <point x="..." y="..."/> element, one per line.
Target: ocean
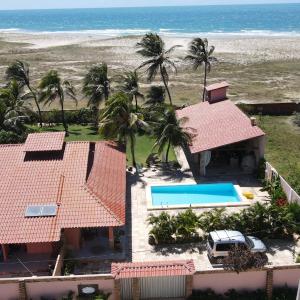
<point x="274" y="19"/>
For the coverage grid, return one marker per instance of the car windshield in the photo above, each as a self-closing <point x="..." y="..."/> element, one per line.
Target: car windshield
<point x="211" y="242"/>
<point x="249" y="242"/>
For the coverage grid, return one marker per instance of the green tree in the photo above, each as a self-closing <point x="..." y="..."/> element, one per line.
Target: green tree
<point x="130" y="86"/>
<point x="155" y="95"/>
<point x="20" y="72"/>
<point x="152" y="47"/>
<point x="168" y="130"/>
<point x="13" y="107"/>
<point x="120" y="121"/>
<point x="201" y="54"/>
<point x="53" y="88"/>
<point x="96" y="87"/>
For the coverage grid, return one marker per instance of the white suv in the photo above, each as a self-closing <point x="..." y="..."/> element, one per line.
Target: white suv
<point x="220" y="242"/>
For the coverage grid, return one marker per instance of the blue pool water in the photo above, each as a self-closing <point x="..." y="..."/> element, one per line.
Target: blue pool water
<point x="194" y="194"/>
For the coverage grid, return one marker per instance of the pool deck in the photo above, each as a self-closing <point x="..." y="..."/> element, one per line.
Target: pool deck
<point x="140" y="248"/>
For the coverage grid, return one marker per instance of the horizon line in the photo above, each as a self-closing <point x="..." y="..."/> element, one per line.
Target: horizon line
<point x="154" y="6"/>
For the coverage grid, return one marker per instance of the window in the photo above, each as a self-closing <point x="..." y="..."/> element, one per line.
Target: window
<point x="224" y="247"/>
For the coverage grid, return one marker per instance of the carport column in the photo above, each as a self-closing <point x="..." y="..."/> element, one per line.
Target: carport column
<point x="188" y="286"/>
<point x="111" y="238"/>
<point x="5" y="252"/>
<point x="202" y="166"/>
<point x="269" y="283"/>
<point x="117" y="289"/>
<point x="136" y="289"/>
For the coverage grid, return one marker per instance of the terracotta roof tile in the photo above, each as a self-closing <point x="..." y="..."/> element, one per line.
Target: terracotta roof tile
<point x="217" y="124"/>
<point x="61" y="179"/>
<point x="152" y="269"/>
<point x="47" y="141"/>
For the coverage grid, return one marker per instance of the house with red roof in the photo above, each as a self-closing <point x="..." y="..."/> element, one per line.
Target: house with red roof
<point x="225" y="138"/>
<point x="52" y="190"/>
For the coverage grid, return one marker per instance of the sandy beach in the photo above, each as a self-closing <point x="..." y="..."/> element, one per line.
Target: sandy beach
<point x="258" y="68"/>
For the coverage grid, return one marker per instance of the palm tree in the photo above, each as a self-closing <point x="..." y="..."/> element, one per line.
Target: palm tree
<point x="15" y="109"/>
<point x="96" y="87"/>
<point x="155" y="95"/>
<point x="53" y="88"/>
<point x="168" y="131"/>
<point x="200" y="53"/>
<point x="119" y="121"/>
<point x="130" y="86"/>
<point x="19" y="71"/>
<point x="152" y="47"/>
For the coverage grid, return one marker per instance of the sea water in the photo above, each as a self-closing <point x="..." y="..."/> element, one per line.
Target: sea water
<point x="271" y="19"/>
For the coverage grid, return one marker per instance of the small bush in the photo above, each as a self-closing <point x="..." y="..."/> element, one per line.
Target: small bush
<point x="9" y="137"/>
<point x="296" y="119"/>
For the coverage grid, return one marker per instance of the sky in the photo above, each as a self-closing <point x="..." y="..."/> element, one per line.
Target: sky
<point x="37" y="4"/>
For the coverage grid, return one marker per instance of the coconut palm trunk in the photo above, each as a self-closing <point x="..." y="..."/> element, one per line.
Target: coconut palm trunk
<point x="205" y="81"/>
<point x="168" y="151"/>
<point x="136" y="102"/>
<point x="165" y="84"/>
<point x="37" y="104"/>
<point x="63" y="117"/>
<point x="132" y="150"/>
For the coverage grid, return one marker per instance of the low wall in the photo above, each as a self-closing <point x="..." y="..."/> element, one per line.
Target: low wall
<point x="9" y="290"/>
<point x="291" y="195"/>
<point x="289" y="277"/>
<point x="222" y="282"/>
<point x="275" y="109"/>
<point x="60" y="286"/>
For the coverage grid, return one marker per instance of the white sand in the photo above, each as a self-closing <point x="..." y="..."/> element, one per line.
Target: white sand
<point x="244" y="47"/>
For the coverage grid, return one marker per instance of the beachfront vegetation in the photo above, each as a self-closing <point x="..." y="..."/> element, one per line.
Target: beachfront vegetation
<point x="19" y="71"/>
<point x="158" y="60"/>
<point x="52" y="88"/>
<point x="96" y="87"/>
<point x="129" y="84"/>
<point x="262" y="220"/>
<point x="201" y="54"/>
<point x="168" y="130"/>
<point x="119" y="121"/>
<point x="282" y="148"/>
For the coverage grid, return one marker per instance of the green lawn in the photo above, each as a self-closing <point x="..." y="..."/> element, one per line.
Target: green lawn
<point x="144" y="144"/>
<point x="283" y="147"/>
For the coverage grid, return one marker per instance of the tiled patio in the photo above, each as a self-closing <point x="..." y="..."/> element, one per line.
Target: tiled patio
<point x="142" y="251"/>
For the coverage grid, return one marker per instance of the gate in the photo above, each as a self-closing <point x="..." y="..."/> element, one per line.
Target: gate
<point x="162" y="287"/>
<point x="126" y="288"/>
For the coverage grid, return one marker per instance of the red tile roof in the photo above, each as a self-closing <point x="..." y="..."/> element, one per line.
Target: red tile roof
<point x="47" y="141"/>
<point x="153" y="269"/>
<point x="217" y="124"/>
<point x="31" y="178"/>
<point x="217" y="86"/>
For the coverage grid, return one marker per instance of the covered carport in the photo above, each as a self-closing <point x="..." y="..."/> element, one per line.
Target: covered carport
<point x="225" y="138"/>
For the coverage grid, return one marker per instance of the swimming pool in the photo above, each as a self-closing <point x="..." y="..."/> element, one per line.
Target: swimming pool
<point x="194" y="195"/>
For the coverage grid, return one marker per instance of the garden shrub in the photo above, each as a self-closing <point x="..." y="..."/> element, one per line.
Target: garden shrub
<point x="9" y="137"/>
<point x="262" y="220"/>
<point x="229" y="295"/>
<point x="281" y="293"/>
<point x="296" y="119"/>
<point x="81" y="116"/>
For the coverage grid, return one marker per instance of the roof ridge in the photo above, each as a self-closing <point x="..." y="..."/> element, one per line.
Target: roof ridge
<point x="95" y="195"/>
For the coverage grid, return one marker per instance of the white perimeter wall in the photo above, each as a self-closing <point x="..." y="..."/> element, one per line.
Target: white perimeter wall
<point x="222" y="282"/>
<point x="288" y="277"/>
<point x="9" y="291"/>
<point x="57" y="289"/>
